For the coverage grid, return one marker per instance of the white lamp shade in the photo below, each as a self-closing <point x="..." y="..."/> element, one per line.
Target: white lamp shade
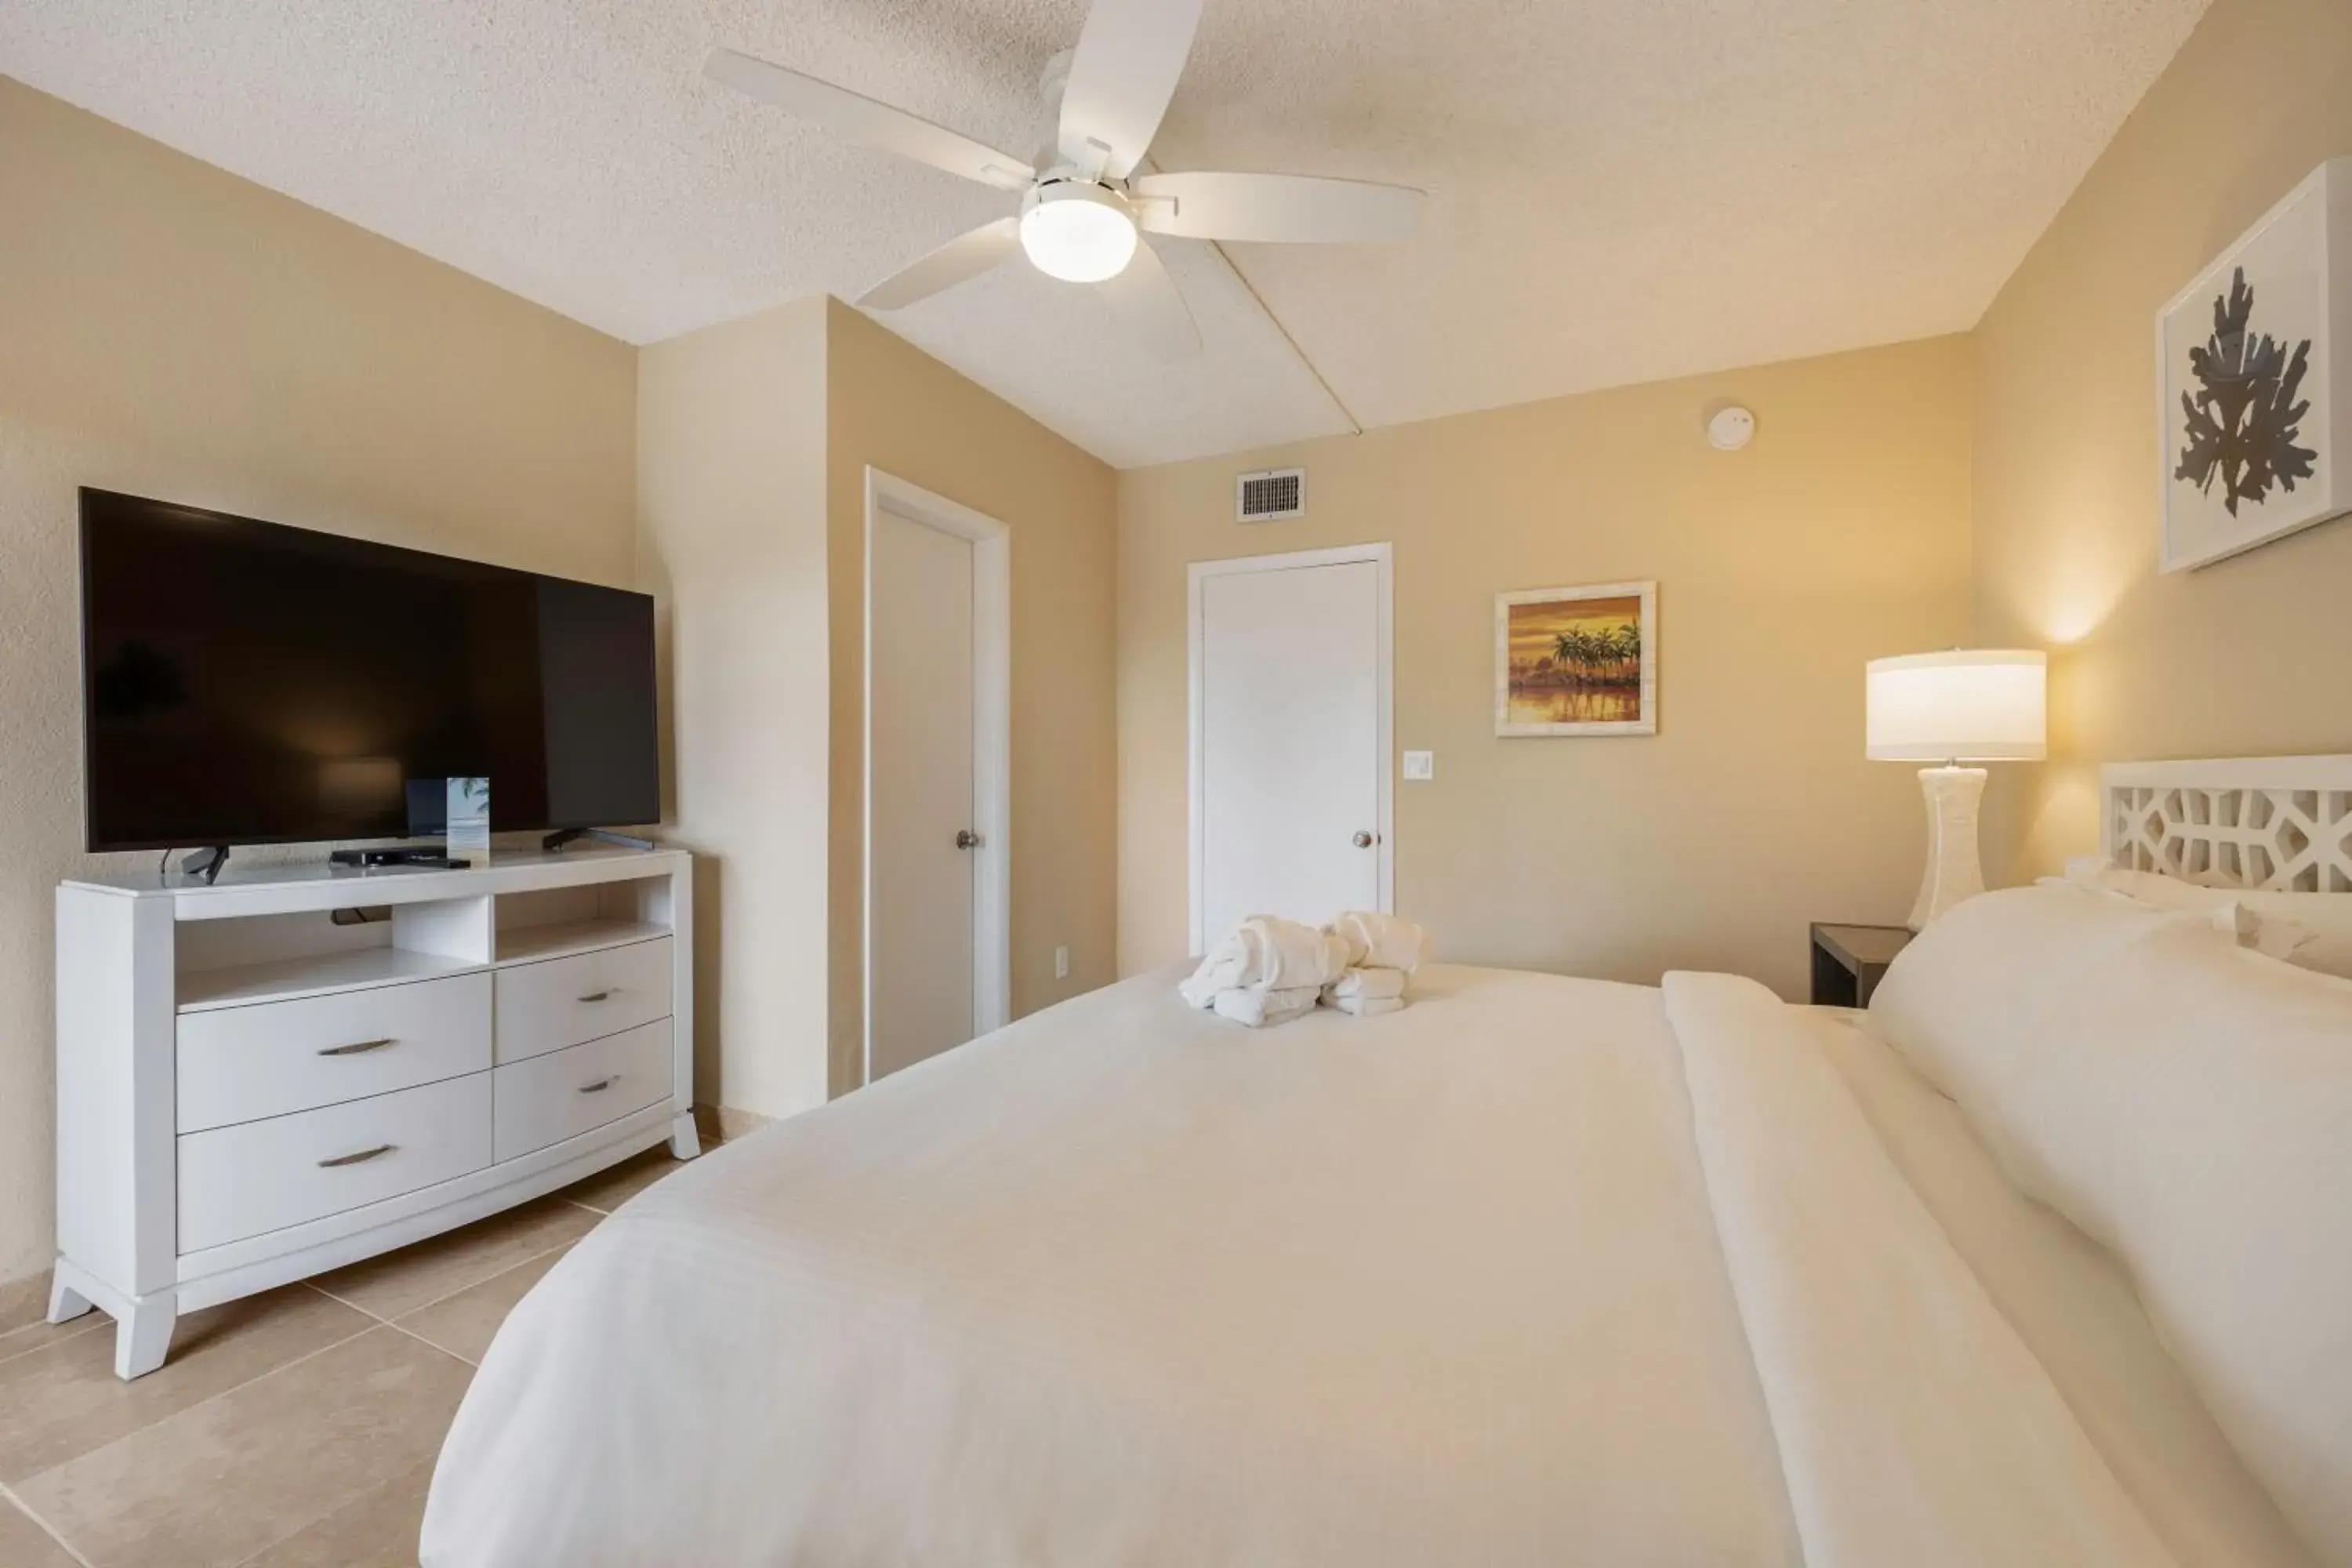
<point x="1981" y="705"/>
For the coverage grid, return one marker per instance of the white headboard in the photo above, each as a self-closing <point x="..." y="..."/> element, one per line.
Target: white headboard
<point x="2279" y="823"/>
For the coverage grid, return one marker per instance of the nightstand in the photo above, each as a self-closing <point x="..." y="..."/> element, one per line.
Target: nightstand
<point x="1850" y="961"/>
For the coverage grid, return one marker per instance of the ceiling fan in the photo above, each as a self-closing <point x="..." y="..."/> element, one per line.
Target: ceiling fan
<point x="1082" y="199"/>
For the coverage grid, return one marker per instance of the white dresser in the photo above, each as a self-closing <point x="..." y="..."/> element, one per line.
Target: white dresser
<point x="250" y="1090"/>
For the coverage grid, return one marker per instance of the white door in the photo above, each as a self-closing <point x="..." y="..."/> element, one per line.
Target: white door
<point x="1291" y="739"/>
<point x="920" y="876"/>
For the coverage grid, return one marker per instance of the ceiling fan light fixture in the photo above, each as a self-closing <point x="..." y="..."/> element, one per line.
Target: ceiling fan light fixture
<point x="1077" y="231"/>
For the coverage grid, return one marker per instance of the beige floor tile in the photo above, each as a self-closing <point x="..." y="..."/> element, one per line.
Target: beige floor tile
<point x="464" y="1325"/>
<point x="40" y="1336"/>
<point x="24" y="1544"/>
<point x="63" y="1400"/>
<point x="220" y="1481"/>
<point x="400" y="1282"/>
<point x="376" y="1530"/>
<point x="610" y="1188"/>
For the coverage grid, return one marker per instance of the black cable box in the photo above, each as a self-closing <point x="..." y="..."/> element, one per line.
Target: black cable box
<point x="424" y="859"/>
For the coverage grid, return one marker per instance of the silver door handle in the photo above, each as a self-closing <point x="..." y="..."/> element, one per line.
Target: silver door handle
<point x="967" y="839"/>
<point x="355" y="1047"/>
<point x="355" y="1159"/>
<point x="1364" y="841"/>
<point x="599" y="995"/>
<point x="601" y="1085"/>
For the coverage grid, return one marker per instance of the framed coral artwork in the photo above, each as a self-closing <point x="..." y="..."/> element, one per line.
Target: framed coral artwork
<point x="2256" y="379"/>
<point x="1577" y="661"/>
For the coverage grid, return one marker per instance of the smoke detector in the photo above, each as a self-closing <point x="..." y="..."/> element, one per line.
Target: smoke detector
<point x="1731" y="428"/>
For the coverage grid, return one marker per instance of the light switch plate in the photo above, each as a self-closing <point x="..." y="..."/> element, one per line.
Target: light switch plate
<point x="1061" y="963"/>
<point x="1421" y="764"/>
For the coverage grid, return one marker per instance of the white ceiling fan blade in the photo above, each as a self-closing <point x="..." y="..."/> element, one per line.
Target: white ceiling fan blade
<point x="1129" y="58"/>
<point x="861" y="119"/>
<point x="1150" y="305"/>
<point x="1275" y="207"/>
<point x="965" y="255"/>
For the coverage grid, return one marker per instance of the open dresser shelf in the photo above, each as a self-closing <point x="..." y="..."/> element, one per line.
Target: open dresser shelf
<point x="295" y="1067"/>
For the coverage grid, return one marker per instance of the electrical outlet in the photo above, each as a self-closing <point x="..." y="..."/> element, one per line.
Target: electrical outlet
<point x="1421" y="764"/>
<point x="1061" y="963"/>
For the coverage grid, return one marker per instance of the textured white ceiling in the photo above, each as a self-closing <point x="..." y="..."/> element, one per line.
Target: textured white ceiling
<point x="1623" y="190"/>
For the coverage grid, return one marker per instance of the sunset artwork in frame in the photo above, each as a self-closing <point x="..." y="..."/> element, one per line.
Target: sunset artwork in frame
<point x="1577" y="661"/>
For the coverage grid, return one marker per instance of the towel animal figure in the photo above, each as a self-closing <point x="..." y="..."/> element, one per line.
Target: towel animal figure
<point x="1269" y="971"/>
<point x="1266" y="955"/>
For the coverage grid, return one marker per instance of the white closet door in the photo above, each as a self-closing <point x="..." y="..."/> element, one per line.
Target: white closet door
<point x="1290" y="753"/>
<point x="922" y="881"/>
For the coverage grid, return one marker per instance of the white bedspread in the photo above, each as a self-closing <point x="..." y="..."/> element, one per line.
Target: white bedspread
<point x="1123" y="1285"/>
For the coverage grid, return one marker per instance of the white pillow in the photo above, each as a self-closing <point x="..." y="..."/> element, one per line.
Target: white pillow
<point x="2272" y="938"/>
<point x="2312" y="931"/>
<point x="2191" y="1105"/>
<point x="1956" y="1000"/>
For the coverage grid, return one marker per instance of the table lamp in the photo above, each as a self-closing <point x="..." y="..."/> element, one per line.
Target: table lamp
<point x="1968" y="705"/>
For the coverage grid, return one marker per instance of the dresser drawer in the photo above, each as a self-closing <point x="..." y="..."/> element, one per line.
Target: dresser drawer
<point x="560" y="1094"/>
<point x="240" y="1064"/>
<point x="560" y="1001"/>
<point x="237" y="1181"/>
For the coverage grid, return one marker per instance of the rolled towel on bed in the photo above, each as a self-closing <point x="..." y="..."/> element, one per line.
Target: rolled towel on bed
<point x="1369" y="1006"/>
<point x="1376" y="941"/>
<point x="1365" y="984"/>
<point x="1263" y="1009"/>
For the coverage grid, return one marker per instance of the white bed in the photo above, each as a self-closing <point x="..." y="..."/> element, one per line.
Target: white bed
<point x="1538" y="1271"/>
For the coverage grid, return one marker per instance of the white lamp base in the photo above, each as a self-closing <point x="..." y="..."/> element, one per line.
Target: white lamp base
<point x="1955" y="871"/>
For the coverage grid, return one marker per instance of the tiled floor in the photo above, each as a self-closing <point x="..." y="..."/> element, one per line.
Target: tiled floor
<point x="297" y="1427"/>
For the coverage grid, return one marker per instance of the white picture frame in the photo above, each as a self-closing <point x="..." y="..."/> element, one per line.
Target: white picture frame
<point x="2254" y="382"/>
<point x="1542" y="694"/>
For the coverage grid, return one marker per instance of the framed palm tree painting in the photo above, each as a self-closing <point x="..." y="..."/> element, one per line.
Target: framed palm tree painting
<point x="1577" y="661"/>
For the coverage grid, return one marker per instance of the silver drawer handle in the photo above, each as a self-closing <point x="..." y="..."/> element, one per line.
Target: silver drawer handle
<point x="599" y="995"/>
<point x="355" y="1047"/>
<point x="355" y="1159"/>
<point x="601" y="1085"/>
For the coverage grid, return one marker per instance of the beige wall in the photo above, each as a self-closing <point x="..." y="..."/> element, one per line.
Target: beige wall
<point x="169" y="329"/>
<point x="730" y="496"/>
<point x="754" y="439"/>
<point x="2244" y="658"/>
<point x="1840" y="535"/>
<point x="895" y="407"/>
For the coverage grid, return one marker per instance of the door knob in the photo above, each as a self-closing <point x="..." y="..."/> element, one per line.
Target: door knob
<point x="1363" y="841"/>
<point x="967" y="839"/>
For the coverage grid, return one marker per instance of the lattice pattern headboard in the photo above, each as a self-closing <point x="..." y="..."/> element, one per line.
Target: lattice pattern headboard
<point x="2283" y="824"/>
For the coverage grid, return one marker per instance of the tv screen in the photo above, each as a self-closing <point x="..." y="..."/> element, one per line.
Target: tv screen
<point x="244" y="682"/>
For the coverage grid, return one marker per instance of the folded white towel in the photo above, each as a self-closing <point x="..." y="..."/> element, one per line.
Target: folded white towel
<point x="1263" y="1009"/>
<point x="1376" y="984"/>
<point x="1369" y="1006"/>
<point x="1379" y="941"/>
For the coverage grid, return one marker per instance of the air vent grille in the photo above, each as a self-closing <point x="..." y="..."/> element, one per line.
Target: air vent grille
<point x="1270" y="494"/>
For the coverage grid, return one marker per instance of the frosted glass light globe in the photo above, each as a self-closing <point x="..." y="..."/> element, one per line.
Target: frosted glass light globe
<point x="1077" y="231"/>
